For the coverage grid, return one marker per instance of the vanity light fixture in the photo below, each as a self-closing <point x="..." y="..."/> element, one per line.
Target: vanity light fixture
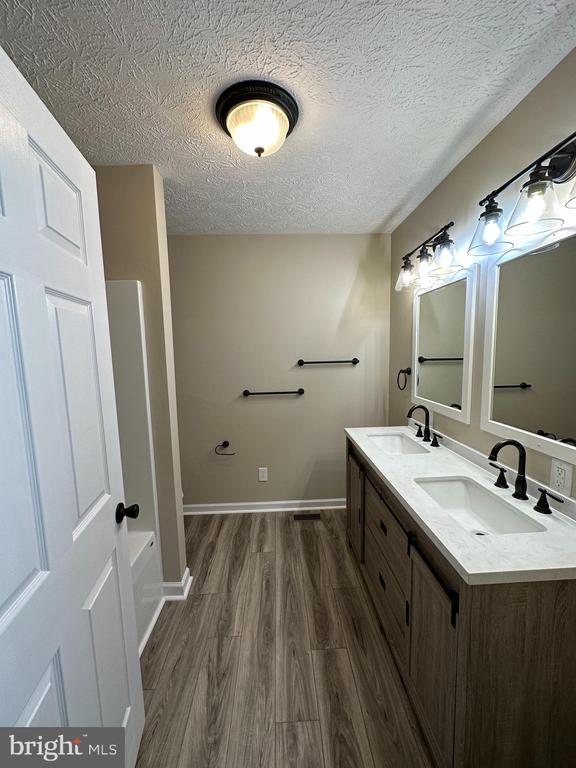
<point x="406" y="276"/>
<point x="424" y="275"/>
<point x="257" y="115"/>
<point x="445" y="256"/>
<point x="537" y="210"/>
<point x="488" y="239"/>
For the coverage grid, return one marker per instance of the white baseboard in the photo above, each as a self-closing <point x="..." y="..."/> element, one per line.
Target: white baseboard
<point x="263" y="506"/>
<point x="178" y="590"/>
<point x="151" y="626"/>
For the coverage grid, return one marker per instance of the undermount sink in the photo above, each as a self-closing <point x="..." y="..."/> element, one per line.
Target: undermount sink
<point x="396" y="444"/>
<point x="476" y="508"/>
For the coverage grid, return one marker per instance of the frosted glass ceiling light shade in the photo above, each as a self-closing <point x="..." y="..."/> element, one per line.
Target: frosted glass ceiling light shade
<point x="257" y="115"/>
<point x="489" y="239"/>
<point x="257" y="127"/>
<point x="537" y="209"/>
<point x="445" y="257"/>
<point x="406" y="276"/>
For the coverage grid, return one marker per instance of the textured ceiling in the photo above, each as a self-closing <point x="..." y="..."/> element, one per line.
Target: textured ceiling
<point x="392" y="93"/>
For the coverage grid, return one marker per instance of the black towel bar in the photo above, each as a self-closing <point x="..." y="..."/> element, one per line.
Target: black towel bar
<point x="523" y="385"/>
<point x="300" y="391"/>
<point x="353" y="361"/>
<point x="422" y="359"/>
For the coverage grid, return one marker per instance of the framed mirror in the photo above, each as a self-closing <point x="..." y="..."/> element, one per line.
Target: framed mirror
<point x="444" y="317"/>
<point x="529" y="379"/>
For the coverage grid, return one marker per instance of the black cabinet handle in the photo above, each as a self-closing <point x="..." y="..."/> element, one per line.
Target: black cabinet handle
<point x="121" y="512"/>
<point x="383" y="528"/>
<point x="381" y="580"/>
<point x="407" y="614"/>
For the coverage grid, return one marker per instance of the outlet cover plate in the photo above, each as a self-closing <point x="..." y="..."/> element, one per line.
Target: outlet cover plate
<point x="263" y="474"/>
<point x="561" y="477"/>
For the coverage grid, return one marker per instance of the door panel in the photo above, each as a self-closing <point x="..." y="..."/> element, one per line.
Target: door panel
<point x="73" y="345"/>
<point x="46" y="706"/>
<point x="58" y="206"/>
<point x="68" y="651"/>
<point x="22" y="545"/>
<point x="433" y="653"/>
<point x="105" y="616"/>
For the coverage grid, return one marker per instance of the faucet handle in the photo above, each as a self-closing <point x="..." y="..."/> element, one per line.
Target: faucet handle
<point x="435" y="443"/>
<point x="542" y="503"/>
<point x="419" y="432"/>
<point x="501" y="482"/>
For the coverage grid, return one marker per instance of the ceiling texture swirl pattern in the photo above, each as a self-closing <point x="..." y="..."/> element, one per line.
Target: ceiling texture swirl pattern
<point x="392" y="95"/>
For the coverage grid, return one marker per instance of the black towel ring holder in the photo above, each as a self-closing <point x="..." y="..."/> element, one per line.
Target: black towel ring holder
<point x="402" y="383"/>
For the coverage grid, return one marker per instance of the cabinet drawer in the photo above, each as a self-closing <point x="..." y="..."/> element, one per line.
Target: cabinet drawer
<point x="390" y="603"/>
<point x="389" y="535"/>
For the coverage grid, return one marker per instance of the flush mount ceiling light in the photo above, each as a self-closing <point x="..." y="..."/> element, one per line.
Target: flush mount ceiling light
<point x="537" y="210"/>
<point x="257" y="115"/>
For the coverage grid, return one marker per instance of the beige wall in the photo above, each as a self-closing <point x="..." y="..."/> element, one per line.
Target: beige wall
<point x="245" y="309"/>
<point x="546" y="115"/>
<point x="132" y="220"/>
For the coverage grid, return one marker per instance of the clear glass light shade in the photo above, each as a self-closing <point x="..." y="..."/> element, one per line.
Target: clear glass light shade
<point x="405" y="278"/>
<point x="424" y="278"/>
<point x="571" y="202"/>
<point x="445" y="260"/>
<point x="489" y="238"/>
<point x="537" y="210"/>
<point x="258" y="127"/>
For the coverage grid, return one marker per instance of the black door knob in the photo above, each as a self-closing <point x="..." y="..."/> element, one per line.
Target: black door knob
<point x="121" y="512"/>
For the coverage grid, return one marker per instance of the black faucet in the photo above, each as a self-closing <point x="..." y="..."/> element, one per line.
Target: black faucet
<point x="520" y="484"/>
<point x="426" y="438"/>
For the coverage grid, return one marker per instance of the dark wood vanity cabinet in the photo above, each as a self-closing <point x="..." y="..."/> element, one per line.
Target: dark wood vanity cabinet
<point x="355" y="507"/>
<point x="490" y="669"/>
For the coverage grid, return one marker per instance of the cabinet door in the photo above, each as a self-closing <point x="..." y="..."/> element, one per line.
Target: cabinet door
<point x="433" y="644"/>
<point x="355" y="508"/>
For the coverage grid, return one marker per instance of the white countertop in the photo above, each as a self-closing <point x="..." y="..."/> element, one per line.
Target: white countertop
<point x="490" y="559"/>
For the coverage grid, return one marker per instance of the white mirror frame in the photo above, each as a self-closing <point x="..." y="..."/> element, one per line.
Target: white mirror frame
<point x="471" y="277"/>
<point x="544" y="445"/>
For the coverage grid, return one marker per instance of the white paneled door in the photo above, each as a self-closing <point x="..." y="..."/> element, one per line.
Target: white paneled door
<point x="68" y="651"/>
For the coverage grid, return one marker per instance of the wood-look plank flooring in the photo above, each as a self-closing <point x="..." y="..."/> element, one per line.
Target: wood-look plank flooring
<point x="276" y="659"/>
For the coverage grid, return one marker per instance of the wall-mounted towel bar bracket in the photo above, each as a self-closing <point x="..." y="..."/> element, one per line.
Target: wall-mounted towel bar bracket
<point x="353" y="361"/>
<point x="300" y="391"/>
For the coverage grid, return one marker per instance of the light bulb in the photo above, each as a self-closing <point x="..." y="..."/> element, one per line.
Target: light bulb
<point x="491" y="231"/>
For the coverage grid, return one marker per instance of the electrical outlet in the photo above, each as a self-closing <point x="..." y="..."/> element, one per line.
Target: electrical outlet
<point x="263" y="474"/>
<point x="561" y="477"/>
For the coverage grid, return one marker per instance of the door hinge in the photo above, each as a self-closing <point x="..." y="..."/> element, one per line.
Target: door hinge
<point x="407" y="614"/>
<point x="455" y="606"/>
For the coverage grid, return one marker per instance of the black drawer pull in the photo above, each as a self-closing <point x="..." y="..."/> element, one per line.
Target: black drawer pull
<point x="383" y="527"/>
<point x="381" y="580"/>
